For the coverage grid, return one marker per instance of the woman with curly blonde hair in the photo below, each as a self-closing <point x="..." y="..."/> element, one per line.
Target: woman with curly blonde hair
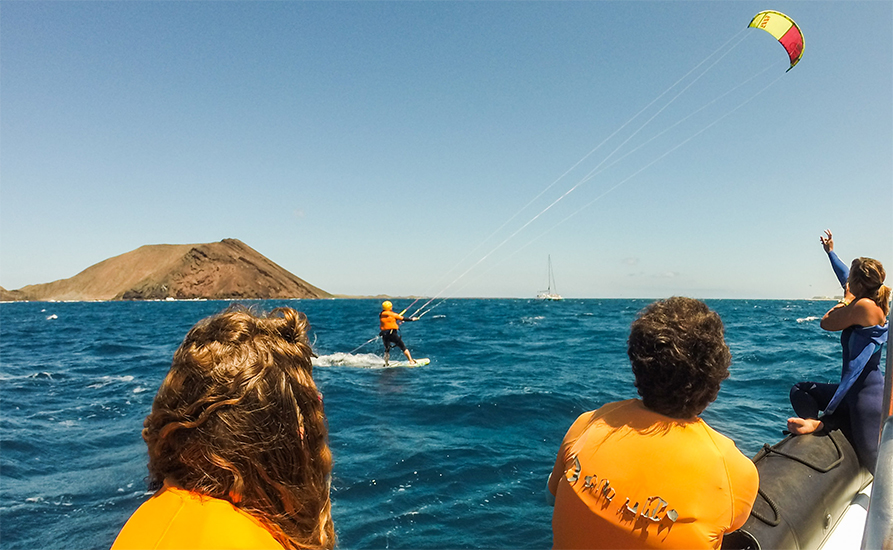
<point x="238" y="441"/>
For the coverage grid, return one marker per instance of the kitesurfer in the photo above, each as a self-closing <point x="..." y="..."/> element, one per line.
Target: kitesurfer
<point x="651" y="473"/>
<point x="854" y="404"/>
<point x="390" y="331"/>
<point x="237" y="440"/>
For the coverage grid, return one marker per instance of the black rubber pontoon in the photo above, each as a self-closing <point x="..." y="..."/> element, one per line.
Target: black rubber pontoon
<point x="806" y="484"/>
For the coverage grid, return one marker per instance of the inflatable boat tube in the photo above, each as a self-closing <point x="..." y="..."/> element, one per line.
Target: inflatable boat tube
<point x="879" y="523"/>
<point x="806" y="484"/>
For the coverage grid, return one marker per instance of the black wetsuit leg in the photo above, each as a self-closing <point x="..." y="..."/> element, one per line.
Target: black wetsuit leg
<point x="857" y="416"/>
<point x="392" y="338"/>
<point x="865" y="406"/>
<point x="808" y="398"/>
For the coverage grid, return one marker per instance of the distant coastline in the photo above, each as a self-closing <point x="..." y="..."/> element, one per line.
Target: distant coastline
<point x="389" y="297"/>
<point x="226" y="270"/>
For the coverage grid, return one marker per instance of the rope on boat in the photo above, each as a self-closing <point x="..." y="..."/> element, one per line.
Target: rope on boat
<point x="768" y="449"/>
<point x="819" y="469"/>
<point x="771" y="503"/>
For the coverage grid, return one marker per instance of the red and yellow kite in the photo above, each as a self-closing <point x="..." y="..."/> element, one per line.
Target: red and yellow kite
<point x="784" y="29"/>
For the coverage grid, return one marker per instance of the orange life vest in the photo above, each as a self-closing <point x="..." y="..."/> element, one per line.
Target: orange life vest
<point x="627" y="477"/>
<point x="387" y="320"/>
<point x="176" y="518"/>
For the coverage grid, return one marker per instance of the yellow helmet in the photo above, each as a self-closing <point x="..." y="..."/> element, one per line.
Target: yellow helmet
<point x="386" y="305"/>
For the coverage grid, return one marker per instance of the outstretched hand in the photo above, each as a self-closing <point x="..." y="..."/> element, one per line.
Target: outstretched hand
<point x="827" y="242"/>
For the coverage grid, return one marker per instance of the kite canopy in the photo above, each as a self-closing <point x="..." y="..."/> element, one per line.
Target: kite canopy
<point x="784" y="29"/>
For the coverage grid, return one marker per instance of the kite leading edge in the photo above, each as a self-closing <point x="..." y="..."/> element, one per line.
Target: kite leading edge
<point x="784" y="29"/>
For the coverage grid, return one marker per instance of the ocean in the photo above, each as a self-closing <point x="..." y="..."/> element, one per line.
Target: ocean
<point x="451" y="455"/>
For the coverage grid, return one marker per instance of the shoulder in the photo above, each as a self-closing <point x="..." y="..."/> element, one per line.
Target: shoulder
<point x="630" y="412"/>
<point x="628" y="406"/>
<point x="862" y="312"/>
<point x="175" y="518"/>
<point x="742" y="480"/>
<point x="739" y="468"/>
<point x="607" y="411"/>
<point x="870" y="311"/>
<point x="724" y="444"/>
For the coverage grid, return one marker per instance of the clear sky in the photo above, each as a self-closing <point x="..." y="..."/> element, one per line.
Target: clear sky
<point x="415" y="147"/>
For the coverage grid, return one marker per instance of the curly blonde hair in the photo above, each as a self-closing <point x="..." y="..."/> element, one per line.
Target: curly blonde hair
<point x="239" y="418"/>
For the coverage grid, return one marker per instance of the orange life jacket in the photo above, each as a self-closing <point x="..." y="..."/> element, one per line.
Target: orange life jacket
<point x="176" y="518"/>
<point x="387" y="320"/>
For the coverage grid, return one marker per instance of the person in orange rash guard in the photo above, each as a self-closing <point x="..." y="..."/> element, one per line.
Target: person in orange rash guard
<point x="650" y="473"/>
<point x="238" y="442"/>
<point x="176" y="518"/>
<point x="390" y="331"/>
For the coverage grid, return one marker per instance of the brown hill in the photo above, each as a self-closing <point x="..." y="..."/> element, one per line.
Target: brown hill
<point x="226" y="270"/>
<point x="9" y="295"/>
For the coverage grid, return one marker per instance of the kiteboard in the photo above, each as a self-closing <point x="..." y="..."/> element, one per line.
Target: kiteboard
<point x="418" y="363"/>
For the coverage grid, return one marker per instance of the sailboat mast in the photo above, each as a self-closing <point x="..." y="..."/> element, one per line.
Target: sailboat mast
<point x="549" y="281"/>
<point x="551" y="276"/>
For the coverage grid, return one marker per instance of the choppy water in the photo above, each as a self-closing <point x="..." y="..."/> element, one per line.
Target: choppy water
<point x="451" y="455"/>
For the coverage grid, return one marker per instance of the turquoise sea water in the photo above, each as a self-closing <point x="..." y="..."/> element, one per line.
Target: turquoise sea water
<point x="451" y="455"/>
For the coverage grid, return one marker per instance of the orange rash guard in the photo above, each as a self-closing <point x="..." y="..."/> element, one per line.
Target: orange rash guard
<point x="624" y="473"/>
<point x="387" y="320"/>
<point x="176" y="518"/>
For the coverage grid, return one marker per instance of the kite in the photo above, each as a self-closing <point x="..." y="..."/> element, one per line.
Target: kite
<point x="784" y="29"/>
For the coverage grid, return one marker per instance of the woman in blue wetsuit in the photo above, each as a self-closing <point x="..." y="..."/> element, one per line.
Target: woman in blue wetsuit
<point x="853" y="405"/>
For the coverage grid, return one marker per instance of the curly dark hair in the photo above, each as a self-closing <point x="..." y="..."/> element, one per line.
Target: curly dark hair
<point x="679" y="356"/>
<point x="239" y="418"/>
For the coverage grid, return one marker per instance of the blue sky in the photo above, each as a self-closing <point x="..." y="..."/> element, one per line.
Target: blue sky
<point x="394" y="148"/>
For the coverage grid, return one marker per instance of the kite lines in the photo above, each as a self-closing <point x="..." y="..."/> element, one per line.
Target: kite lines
<point x="777" y="24"/>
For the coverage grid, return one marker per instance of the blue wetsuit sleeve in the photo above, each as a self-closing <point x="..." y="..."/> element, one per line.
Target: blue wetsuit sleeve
<point x="840" y="268"/>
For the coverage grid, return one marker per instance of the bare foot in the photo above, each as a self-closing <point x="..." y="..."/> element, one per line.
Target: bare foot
<point x="803" y="426"/>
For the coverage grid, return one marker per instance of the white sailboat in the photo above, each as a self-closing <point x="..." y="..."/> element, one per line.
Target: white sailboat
<point x="548" y="294"/>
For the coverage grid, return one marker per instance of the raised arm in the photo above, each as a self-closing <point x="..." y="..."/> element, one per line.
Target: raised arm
<point x="840" y="268"/>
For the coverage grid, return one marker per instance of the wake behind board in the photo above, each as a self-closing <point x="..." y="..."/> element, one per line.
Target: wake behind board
<point x="418" y="363"/>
